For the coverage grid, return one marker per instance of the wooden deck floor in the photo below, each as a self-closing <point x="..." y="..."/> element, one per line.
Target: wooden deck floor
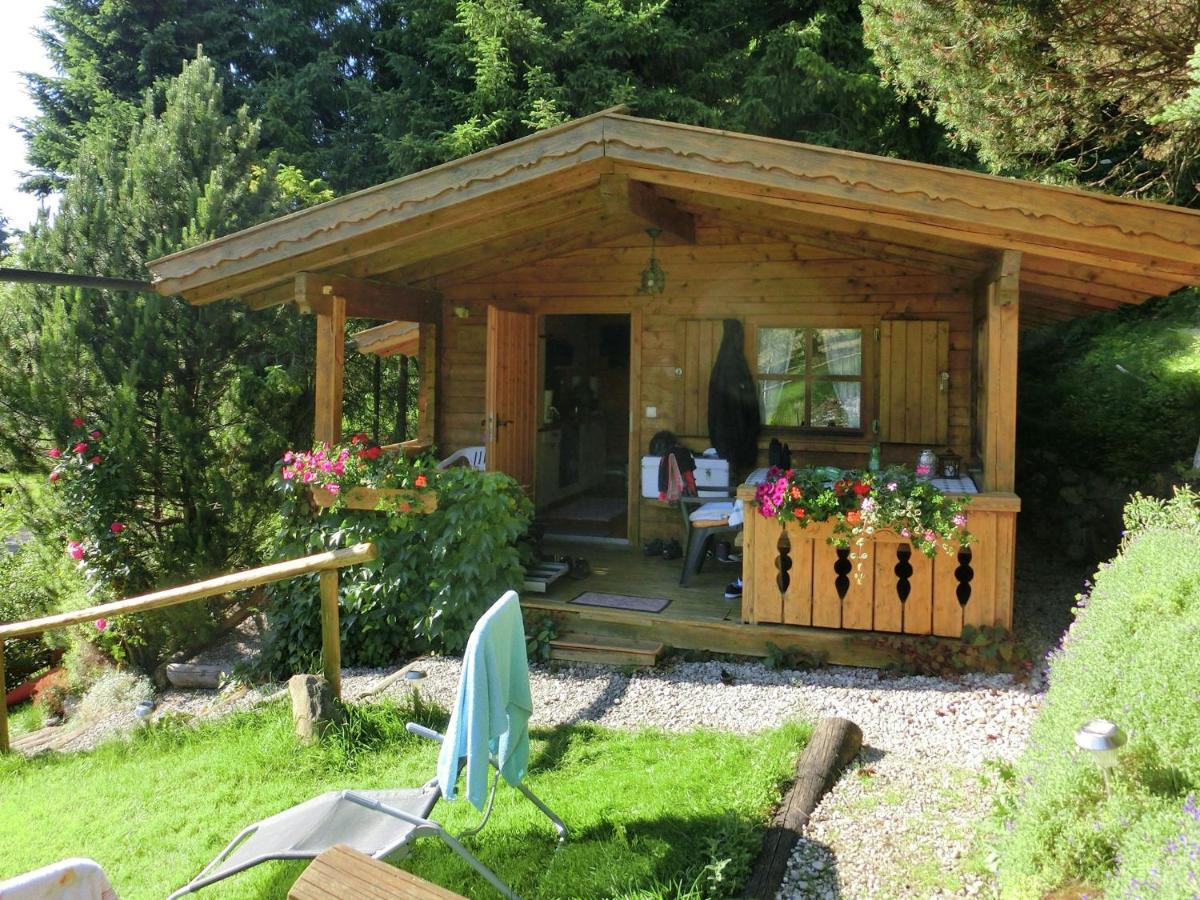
<point x="698" y="617"/>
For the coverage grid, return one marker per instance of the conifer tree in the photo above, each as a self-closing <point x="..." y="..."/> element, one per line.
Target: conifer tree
<point x="194" y="403"/>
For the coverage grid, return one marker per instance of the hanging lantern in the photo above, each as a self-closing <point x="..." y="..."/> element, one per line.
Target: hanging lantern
<point x="654" y="279"/>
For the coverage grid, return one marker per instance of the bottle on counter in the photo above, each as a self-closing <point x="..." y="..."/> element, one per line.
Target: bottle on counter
<point x="926" y="463"/>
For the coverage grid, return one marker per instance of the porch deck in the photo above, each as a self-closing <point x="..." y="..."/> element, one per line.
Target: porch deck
<point x="697" y="618"/>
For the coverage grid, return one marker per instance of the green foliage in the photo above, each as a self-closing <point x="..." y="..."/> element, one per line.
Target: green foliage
<point x="1098" y="91"/>
<point x="376" y="89"/>
<point x="538" y="638"/>
<point x="196" y="402"/>
<point x="985" y="648"/>
<point x="1130" y="657"/>
<point x="28" y="589"/>
<point x="1180" y="514"/>
<point x="435" y="573"/>
<point x="794" y="658"/>
<point x="154" y="810"/>
<point x="1091" y="434"/>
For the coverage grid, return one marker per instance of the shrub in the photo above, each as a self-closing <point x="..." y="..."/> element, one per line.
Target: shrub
<point x="1131" y="657"/>
<point x="30" y="586"/>
<point x="434" y="575"/>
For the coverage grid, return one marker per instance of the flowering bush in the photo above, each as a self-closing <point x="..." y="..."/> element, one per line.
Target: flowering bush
<point x="361" y="463"/>
<point x="436" y="572"/>
<point x="861" y="503"/>
<point x="113" y="535"/>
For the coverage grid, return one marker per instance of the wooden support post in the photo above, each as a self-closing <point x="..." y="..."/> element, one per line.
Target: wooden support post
<point x="1001" y="321"/>
<point x="331" y="636"/>
<point x="330" y="375"/>
<point x="427" y="363"/>
<point x="3" y="704"/>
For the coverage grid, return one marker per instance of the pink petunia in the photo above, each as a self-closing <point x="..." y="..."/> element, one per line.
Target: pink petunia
<point x="960" y="520"/>
<point x="287" y="474"/>
<point x="101" y="624"/>
<point x="289" y="456"/>
<point x="930" y="536"/>
<point x="81" y="447"/>
<point x="77" y="422"/>
<point x="904" y="533"/>
<point x="308" y="476"/>
<point x="339" y="468"/>
<point x="116" y="527"/>
<point x="333" y="487"/>
<point x="75" y="550"/>
<point x="97" y="434"/>
<point x="54" y="453"/>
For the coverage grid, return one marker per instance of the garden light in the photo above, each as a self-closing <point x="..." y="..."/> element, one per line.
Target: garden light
<point x="144" y="710"/>
<point x="1102" y="739"/>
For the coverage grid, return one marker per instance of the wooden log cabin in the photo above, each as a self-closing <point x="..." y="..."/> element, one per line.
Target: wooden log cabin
<point x="514" y="274"/>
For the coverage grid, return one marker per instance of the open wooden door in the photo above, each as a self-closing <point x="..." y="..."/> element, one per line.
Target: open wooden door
<point x="511" y="393"/>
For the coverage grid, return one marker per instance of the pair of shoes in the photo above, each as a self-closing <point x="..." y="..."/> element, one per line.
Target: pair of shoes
<point x="733" y="590"/>
<point x="672" y="550"/>
<point x="721" y="552"/>
<point x="580" y="568"/>
<point x="653" y="548"/>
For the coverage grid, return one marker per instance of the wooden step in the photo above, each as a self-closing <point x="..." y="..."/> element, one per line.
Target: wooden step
<point x="613" y="651"/>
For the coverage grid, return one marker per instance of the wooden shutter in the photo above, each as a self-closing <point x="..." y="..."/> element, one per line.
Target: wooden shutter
<point x="699" y="341"/>
<point x="914" y="367"/>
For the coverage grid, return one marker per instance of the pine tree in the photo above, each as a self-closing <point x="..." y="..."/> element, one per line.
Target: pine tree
<point x="195" y="403"/>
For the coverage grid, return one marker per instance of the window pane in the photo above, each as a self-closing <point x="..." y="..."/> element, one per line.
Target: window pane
<point x="837" y="351"/>
<point x="781" y="351"/>
<point x="837" y="404"/>
<point x="782" y="403"/>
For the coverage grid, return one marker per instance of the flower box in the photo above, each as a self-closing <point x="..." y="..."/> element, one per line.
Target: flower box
<point x="418" y="501"/>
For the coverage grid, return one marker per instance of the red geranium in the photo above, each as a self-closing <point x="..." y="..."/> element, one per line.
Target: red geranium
<point x="77" y="422"/>
<point x="80" y="447"/>
<point x="95" y="460"/>
<point x="861" y="489"/>
<point x="420" y="481"/>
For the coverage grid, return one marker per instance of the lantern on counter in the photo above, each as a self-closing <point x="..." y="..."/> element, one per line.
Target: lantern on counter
<point x="926" y="463"/>
<point x="951" y="464"/>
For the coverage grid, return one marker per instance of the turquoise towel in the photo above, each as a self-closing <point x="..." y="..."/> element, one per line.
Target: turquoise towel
<point x="492" y="710"/>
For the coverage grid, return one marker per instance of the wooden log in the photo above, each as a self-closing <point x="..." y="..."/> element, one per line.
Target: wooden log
<point x="212" y="587"/>
<point x="330" y="372"/>
<point x="331" y="640"/>
<point x="3" y="706"/>
<point x="834" y="743"/>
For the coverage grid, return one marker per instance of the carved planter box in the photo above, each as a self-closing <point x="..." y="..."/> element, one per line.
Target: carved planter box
<point x="794" y="576"/>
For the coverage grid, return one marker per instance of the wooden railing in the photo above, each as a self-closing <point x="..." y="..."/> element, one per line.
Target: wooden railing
<point x="327" y="564"/>
<point x="794" y="576"/>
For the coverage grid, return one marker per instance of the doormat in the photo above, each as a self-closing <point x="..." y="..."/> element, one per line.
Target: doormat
<point x="590" y="509"/>
<point x="622" y="601"/>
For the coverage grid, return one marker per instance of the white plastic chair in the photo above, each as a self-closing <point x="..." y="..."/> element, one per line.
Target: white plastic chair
<point x="476" y="456"/>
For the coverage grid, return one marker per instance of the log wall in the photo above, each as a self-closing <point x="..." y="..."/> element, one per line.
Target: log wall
<point x="730" y="271"/>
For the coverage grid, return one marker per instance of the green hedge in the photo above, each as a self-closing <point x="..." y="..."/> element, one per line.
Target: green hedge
<point x="434" y="575"/>
<point x="1131" y="656"/>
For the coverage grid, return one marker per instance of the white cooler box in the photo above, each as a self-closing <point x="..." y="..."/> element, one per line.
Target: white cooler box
<point x="710" y="473"/>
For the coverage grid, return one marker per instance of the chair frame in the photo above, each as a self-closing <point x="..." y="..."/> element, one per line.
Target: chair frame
<point x="421" y="828"/>
<point x="696" y="536"/>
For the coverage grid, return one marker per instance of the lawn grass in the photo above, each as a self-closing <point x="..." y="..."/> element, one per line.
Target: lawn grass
<point x="651" y="814"/>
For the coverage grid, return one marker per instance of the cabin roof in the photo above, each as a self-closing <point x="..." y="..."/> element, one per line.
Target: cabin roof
<point x="601" y="176"/>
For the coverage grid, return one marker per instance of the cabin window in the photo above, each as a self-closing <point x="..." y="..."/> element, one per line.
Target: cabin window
<point x="810" y="377"/>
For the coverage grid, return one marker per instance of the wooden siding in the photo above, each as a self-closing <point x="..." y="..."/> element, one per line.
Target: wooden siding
<point x="732" y="271"/>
